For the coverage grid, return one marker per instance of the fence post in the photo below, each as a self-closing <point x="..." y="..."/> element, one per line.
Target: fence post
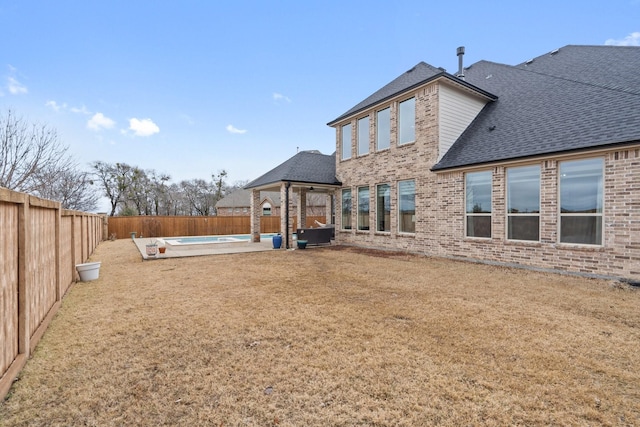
<point x="24" y="307"/>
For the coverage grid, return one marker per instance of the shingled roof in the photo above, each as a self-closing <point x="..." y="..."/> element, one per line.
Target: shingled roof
<point x="571" y="99"/>
<point x="242" y="198"/>
<point x="309" y="167"/>
<point x="422" y="73"/>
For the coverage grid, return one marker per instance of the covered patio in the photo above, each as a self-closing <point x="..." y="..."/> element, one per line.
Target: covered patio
<point x="307" y="171"/>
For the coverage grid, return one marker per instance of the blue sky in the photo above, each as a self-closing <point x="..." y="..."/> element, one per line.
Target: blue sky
<point x="192" y="87"/>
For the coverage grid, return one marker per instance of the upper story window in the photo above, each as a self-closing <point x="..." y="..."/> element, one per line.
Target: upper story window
<point x="523" y="203"/>
<point x="383" y="129"/>
<point x="346" y="209"/>
<point x="581" y="201"/>
<point x="266" y="209"/>
<point x="478" y="204"/>
<point x="383" y="207"/>
<point x="363" y="208"/>
<point x="363" y="136"/>
<point x="407" y="121"/>
<point x="407" y="206"/>
<point x="345" y="141"/>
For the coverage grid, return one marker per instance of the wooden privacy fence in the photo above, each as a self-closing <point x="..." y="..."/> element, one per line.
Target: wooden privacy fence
<point x="40" y="244"/>
<point x="171" y="226"/>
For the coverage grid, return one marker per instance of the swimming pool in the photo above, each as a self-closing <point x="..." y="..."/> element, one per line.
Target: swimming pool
<point x="206" y="240"/>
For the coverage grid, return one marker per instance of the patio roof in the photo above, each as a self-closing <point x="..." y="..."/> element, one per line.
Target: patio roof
<point x="306" y="168"/>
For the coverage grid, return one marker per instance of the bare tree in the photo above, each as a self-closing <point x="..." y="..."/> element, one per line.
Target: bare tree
<point x="26" y="149"/>
<point x="70" y="186"/>
<point x="200" y="196"/>
<point x="139" y="190"/>
<point x="115" y="180"/>
<point x="235" y="186"/>
<point x="159" y="191"/>
<point x="133" y="191"/>
<point x="219" y="183"/>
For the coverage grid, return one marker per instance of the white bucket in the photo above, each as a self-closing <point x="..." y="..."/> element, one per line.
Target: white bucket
<point x="88" y="271"/>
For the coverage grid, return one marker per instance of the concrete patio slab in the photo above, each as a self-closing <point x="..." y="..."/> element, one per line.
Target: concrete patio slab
<point x="174" y="251"/>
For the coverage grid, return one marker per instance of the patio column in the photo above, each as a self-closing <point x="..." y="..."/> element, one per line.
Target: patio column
<point x="255" y="215"/>
<point x="302" y="208"/>
<point x="328" y="208"/>
<point x="286" y="214"/>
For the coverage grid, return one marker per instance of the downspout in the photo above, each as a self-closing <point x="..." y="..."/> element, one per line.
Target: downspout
<point x="286" y="215"/>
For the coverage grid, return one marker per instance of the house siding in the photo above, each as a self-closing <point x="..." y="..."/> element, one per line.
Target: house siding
<point x="457" y="111"/>
<point x="440" y="204"/>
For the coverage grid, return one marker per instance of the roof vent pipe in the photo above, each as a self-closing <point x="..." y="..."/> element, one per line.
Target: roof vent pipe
<point x="460" y="53"/>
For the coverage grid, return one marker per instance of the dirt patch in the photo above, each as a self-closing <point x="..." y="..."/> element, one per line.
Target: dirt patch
<point x="332" y="336"/>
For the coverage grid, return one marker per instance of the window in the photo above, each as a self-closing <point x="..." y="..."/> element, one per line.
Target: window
<point x="383" y="129"/>
<point x="363" y="136"/>
<point x="407" y="125"/>
<point x="407" y="206"/>
<point x="383" y="207"/>
<point x="266" y="209"/>
<point x="363" y="208"/>
<point x="478" y="204"/>
<point x="345" y="141"/>
<point x="581" y="201"/>
<point x="346" y="209"/>
<point x="523" y="203"/>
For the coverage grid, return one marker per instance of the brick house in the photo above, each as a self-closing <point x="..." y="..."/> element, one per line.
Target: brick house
<point x="535" y="164"/>
<point x="238" y="203"/>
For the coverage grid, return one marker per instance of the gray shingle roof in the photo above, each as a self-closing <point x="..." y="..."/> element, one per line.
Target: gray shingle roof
<point x="420" y="74"/>
<point x="581" y="97"/>
<point x="310" y="167"/>
<point x="242" y="198"/>
<point x="417" y="75"/>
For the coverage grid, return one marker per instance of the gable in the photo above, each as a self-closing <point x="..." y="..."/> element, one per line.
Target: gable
<point x="457" y="109"/>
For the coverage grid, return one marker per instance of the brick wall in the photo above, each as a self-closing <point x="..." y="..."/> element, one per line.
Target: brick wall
<point x="619" y="256"/>
<point x="440" y="204"/>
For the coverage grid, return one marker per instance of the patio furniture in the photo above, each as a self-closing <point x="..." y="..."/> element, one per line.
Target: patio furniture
<point x="316" y="236"/>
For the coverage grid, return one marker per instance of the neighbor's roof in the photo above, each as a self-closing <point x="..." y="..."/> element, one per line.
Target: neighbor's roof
<point x="310" y="167"/>
<point x="242" y="198"/>
<point x="420" y="74"/>
<point x="574" y="98"/>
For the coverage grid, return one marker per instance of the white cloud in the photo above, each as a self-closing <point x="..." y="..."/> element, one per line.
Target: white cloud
<point x="144" y="127"/>
<point x="232" y="129"/>
<point x="55" y="106"/>
<point x="15" y="87"/>
<point x="80" y="110"/>
<point x="65" y="107"/>
<point x="99" y="121"/>
<point x="632" y="39"/>
<point x="280" y="97"/>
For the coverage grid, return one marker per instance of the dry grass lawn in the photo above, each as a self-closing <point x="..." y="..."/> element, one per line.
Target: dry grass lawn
<point x="332" y="336"/>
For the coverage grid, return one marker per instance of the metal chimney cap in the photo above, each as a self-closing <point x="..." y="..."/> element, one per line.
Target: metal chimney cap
<point x="460" y="51"/>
